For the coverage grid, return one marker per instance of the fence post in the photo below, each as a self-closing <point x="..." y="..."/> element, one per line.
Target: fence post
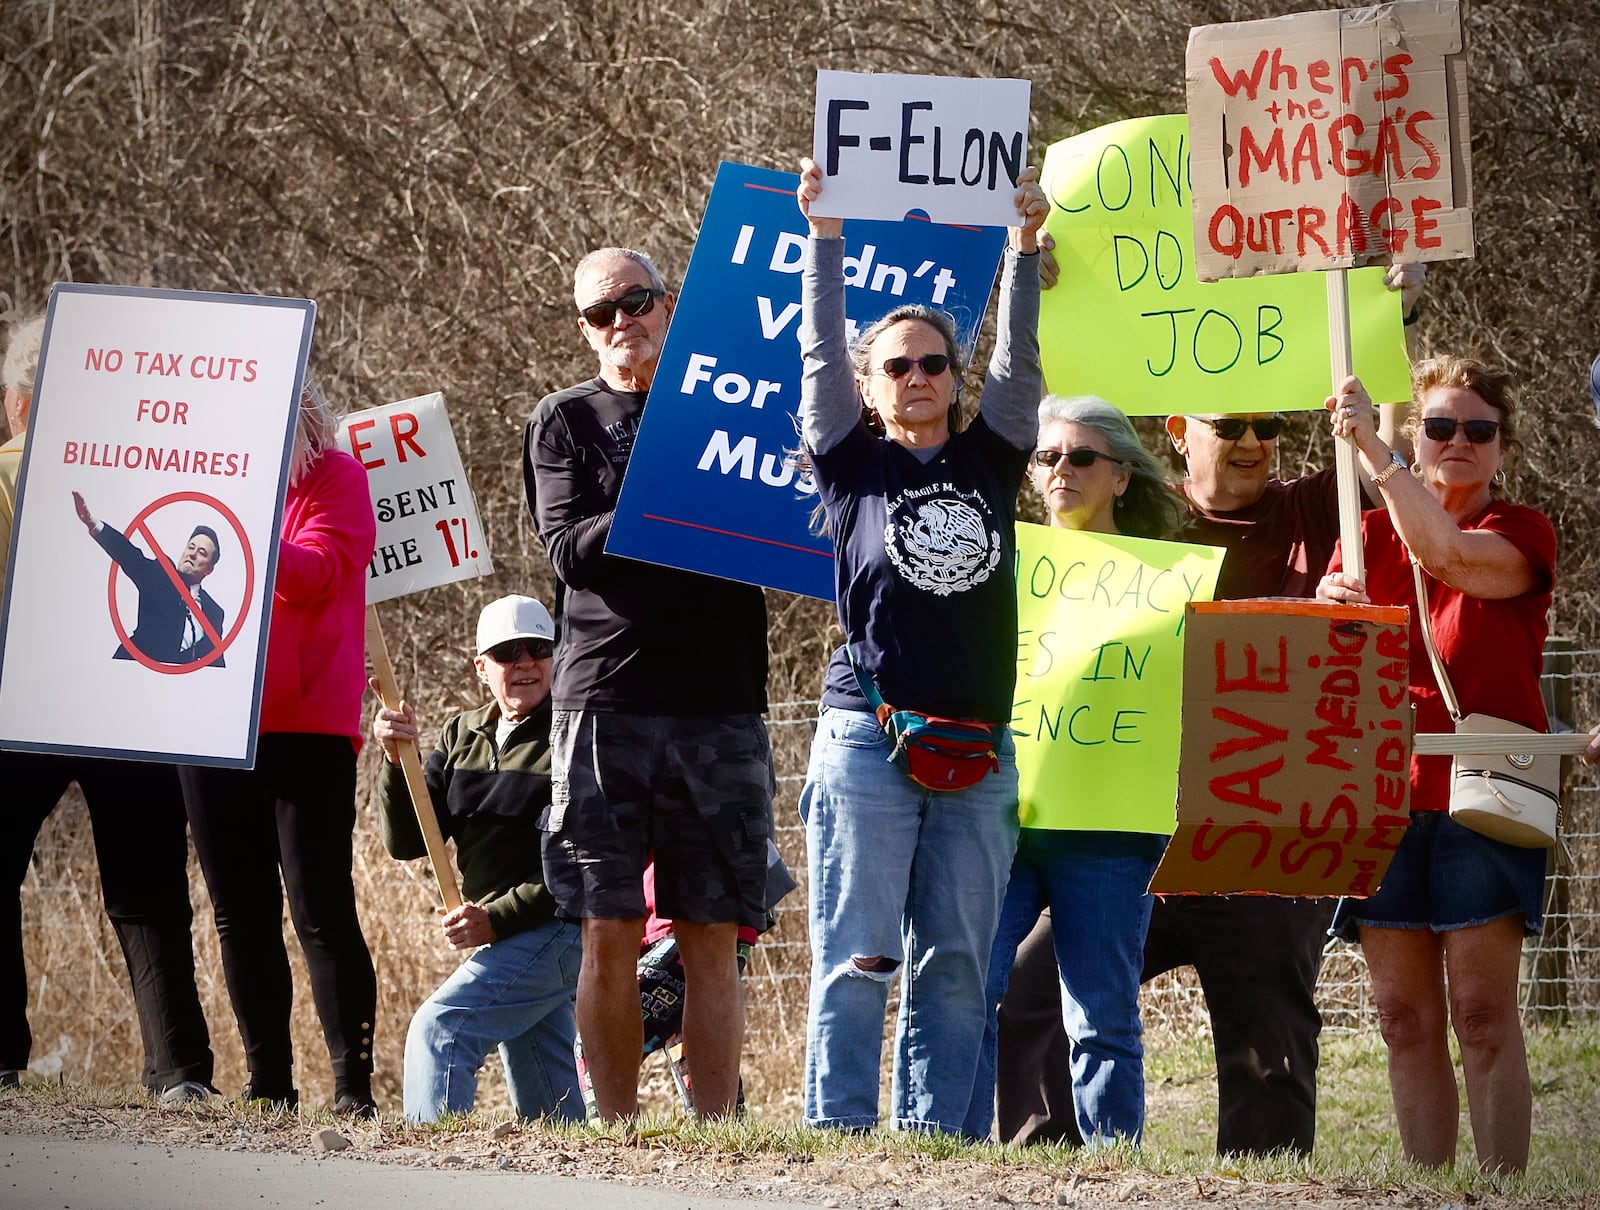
<point x="1547" y="973"/>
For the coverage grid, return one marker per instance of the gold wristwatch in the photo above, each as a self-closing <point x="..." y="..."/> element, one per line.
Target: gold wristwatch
<point x="1396" y="464"/>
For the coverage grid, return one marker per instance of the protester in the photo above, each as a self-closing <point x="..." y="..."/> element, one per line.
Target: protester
<point x="295" y="811"/>
<point x="657" y="740"/>
<point x="1095" y="476"/>
<point x="140" y="844"/>
<point x="1454" y="905"/>
<point x="489" y="781"/>
<point x="922" y="520"/>
<point x="1257" y="957"/>
<point x="175" y="624"/>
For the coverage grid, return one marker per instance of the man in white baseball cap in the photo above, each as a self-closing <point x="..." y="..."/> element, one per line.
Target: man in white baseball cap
<point x="489" y="779"/>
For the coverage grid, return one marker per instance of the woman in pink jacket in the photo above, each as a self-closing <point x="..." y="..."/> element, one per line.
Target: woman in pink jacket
<point x="295" y="811"/>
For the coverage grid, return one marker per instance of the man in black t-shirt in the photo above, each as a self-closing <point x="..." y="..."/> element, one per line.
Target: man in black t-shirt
<point x="657" y="741"/>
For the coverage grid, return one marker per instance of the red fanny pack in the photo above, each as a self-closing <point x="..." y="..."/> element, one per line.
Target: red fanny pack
<point x="941" y="753"/>
<point x="936" y="753"/>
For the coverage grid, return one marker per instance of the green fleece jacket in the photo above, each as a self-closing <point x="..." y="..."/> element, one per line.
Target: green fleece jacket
<point x="489" y="803"/>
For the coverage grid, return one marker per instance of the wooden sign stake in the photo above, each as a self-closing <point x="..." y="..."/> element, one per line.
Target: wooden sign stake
<point x="1343" y="365"/>
<point x="411" y="766"/>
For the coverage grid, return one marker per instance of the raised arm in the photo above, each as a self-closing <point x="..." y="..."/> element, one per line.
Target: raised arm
<point x="1011" y="392"/>
<point x="829" y="403"/>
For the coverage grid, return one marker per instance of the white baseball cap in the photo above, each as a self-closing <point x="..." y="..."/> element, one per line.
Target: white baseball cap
<point x="513" y="618"/>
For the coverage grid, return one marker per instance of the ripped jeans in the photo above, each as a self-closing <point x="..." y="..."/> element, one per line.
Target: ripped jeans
<point x="900" y="877"/>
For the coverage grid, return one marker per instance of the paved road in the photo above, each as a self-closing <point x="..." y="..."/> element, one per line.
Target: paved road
<point x="41" y="1173"/>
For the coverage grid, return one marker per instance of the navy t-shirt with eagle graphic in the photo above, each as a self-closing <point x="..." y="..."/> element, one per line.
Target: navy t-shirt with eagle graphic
<point x="925" y="575"/>
<point x="925" y="571"/>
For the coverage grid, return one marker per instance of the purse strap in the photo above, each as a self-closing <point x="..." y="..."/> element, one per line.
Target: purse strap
<point x="1446" y="689"/>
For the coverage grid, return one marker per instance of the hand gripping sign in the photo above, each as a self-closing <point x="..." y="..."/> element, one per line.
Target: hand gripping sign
<point x="147" y="530"/>
<point x="428" y="534"/>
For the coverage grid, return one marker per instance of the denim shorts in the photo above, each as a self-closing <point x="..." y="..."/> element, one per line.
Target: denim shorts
<point x="695" y="792"/>
<point x="1445" y="877"/>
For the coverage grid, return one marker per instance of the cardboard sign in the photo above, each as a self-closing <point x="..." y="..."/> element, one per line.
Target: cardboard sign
<point x="428" y="528"/>
<point x="1129" y="320"/>
<point x="1296" y="751"/>
<point x="1100" y="675"/>
<point x="172" y="415"/>
<point x="948" y="147"/>
<point x="1330" y="139"/>
<point x="711" y="483"/>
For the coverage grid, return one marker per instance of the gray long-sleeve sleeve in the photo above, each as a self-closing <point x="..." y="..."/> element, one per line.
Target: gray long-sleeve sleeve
<point x="1015" y="383"/>
<point x="829" y="404"/>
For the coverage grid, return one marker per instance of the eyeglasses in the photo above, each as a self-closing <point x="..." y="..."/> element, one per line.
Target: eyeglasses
<point x="932" y="365"/>
<point x="1081" y="457"/>
<point x="1231" y="428"/>
<point x="1443" y="428"/>
<point x="510" y="651"/>
<point x="635" y="302"/>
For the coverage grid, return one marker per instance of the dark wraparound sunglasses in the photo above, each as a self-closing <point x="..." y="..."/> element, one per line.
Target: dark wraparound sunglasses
<point x="510" y="651"/>
<point x="1080" y="458"/>
<point x="635" y="302"/>
<point x="932" y="365"/>
<point x="1442" y="428"/>
<point x="1231" y="428"/>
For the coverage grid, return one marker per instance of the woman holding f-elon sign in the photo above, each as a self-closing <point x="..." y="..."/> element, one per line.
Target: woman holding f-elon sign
<point x="1094" y="475"/>
<point x="911" y="824"/>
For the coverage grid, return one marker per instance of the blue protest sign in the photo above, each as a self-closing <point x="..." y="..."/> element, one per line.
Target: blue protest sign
<point x="711" y="483"/>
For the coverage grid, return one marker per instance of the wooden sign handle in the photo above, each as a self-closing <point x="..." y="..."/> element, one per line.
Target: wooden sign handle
<point x="1343" y="365"/>
<point x="411" y="766"/>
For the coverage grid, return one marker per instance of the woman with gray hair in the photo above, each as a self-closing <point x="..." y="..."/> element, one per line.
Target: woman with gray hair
<point x="295" y="811"/>
<point x="1094" y="475"/>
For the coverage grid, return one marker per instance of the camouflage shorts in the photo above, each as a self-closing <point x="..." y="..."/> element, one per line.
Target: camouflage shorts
<point x="695" y="791"/>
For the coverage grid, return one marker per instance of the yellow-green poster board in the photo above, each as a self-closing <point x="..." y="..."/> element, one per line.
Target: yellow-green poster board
<point x="1131" y="322"/>
<point x="1100" y="675"/>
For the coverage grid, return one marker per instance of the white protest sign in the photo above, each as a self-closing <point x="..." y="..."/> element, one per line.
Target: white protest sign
<point x="1329" y="140"/>
<point x="171" y="416"/>
<point x="949" y="147"/>
<point x="428" y="528"/>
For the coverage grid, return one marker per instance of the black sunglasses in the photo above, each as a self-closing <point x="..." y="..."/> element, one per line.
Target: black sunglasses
<point x="1081" y="457"/>
<point x="1231" y="428"/>
<point x="932" y="365"/>
<point x="635" y="302"/>
<point x="1442" y="428"/>
<point x="510" y="651"/>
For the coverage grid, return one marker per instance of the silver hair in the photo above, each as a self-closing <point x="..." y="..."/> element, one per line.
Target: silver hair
<point x="1150" y="507"/>
<point x="316" y="429"/>
<point x="657" y="282"/>
<point x="22" y="355"/>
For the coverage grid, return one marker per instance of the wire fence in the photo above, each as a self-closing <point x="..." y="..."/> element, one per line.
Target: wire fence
<point x="83" y="1017"/>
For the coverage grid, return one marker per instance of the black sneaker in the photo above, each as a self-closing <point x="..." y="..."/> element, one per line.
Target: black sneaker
<point x="271" y="1102"/>
<point x="10" y="1078"/>
<point x="357" y="1105"/>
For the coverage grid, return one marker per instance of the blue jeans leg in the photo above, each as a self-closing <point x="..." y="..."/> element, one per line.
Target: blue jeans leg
<point x="862" y="817"/>
<point x="515" y="994"/>
<point x="1019" y="912"/>
<point x="958" y="880"/>
<point x="900" y="876"/>
<point x="1096" y="885"/>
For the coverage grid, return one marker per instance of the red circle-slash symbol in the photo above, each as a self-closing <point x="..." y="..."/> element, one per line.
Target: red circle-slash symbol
<point x="219" y="643"/>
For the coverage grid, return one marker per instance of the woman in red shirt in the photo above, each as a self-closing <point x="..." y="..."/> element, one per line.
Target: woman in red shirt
<point x="1454" y="905"/>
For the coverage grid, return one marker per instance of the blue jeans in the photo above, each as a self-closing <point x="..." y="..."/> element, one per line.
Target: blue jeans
<point x="1094" y="885"/>
<point x="515" y="994"/>
<point x="900" y="876"/>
